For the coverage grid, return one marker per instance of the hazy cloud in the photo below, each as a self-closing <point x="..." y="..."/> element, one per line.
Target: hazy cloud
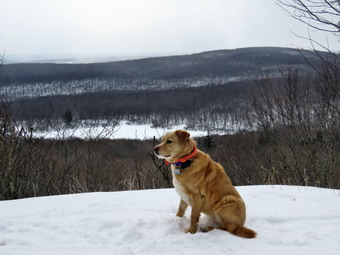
<point x="143" y="27"/>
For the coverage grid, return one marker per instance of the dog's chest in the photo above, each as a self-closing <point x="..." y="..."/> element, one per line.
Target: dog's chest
<point x="180" y="190"/>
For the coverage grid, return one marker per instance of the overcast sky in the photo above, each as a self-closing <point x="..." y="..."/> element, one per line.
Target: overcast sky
<point x="144" y="27"/>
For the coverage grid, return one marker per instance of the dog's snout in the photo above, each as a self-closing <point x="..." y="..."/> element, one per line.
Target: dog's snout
<point x="156" y="148"/>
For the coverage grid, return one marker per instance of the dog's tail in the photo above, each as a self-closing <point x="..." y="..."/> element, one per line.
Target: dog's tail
<point x="244" y="232"/>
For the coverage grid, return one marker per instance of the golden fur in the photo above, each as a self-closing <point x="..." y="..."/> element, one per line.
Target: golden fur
<point x="204" y="186"/>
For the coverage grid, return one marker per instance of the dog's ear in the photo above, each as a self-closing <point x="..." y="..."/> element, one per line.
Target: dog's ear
<point x="182" y="135"/>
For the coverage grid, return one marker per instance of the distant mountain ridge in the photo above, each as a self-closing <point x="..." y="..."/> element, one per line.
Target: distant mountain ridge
<point x="68" y="59"/>
<point x="156" y="73"/>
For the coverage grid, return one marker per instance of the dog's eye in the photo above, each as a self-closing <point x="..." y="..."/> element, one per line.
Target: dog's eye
<point x="168" y="141"/>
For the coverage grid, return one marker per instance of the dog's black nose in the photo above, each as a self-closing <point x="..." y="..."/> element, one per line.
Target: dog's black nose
<point x="156" y="148"/>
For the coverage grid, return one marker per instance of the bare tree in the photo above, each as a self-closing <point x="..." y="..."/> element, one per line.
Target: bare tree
<point x="1" y="59"/>
<point x="298" y="119"/>
<point x="318" y="15"/>
<point x="323" y="15"/>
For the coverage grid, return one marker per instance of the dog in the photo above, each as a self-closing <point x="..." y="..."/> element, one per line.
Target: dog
<point x="203" y="184"/>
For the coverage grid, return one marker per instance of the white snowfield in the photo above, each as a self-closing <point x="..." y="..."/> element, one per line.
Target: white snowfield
<point x="124" y="130"/>
<point x="288" y="219"/>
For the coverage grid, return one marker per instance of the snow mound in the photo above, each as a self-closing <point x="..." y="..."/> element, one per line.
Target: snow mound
<point x="288" y="220"/>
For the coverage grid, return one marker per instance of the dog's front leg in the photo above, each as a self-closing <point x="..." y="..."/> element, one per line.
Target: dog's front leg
<point x="182" y="208"/>
<point x="197" y="203"/>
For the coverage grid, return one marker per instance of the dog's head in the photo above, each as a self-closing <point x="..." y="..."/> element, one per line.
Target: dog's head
<point x="175" y="145"/>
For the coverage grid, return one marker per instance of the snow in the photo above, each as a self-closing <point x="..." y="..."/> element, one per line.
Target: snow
<point x="288" y="220"/>
<point x="135" y="131"/>
<point x="123" y="130"/>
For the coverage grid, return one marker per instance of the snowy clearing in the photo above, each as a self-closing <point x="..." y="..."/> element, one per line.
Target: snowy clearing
<point x="288" y="220"/>
<point x="124" y="130"/>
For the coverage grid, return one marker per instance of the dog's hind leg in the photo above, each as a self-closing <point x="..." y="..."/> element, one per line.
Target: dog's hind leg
<point x="237" y="229"/>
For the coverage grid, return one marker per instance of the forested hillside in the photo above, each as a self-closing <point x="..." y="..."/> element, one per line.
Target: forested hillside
<point x="205" y="90"/>
<point x="207" y="68"/>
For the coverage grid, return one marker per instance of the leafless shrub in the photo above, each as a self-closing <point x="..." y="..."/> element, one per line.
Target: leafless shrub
<point x="31" y="166"/>
<point x="297" y="124"/>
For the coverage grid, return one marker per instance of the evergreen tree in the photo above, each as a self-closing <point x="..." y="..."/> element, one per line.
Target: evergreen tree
<point x="67" y="117"/>
<point x="208" y="141"/>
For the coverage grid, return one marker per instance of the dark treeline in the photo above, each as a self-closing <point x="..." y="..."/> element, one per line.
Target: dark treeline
<point x="140" y="106"/>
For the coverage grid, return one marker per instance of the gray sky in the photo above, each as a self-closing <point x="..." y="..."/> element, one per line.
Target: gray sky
<point x="144" y="27"/>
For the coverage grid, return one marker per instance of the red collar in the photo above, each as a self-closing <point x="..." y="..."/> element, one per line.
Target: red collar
<point x="180" y="161"/>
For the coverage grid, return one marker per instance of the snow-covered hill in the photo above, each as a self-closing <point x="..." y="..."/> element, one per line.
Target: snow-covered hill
<point x="288" y="220"/>
<point x="33" y="80"/>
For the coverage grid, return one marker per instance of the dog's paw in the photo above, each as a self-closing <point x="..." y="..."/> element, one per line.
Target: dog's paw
<point x="191" y="230"/>
<point x="180" y="214"/>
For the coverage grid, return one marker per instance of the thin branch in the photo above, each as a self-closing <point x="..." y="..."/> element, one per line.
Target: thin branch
<point x="309" y="12"/>
<point x="2" y="57"/>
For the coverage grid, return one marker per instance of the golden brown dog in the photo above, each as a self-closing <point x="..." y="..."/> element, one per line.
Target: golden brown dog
<point x="203" y="184"/>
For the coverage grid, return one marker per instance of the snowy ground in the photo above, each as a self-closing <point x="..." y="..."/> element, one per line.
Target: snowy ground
<point x="289" y="220"/>
<point x="123" y="131"/>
